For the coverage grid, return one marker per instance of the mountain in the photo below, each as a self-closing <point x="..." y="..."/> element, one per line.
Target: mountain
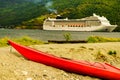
<point x="33" y="12"/>
<point x="13" y="12"/>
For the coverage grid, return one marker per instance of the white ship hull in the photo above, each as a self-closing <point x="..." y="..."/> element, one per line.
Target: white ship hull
<point x="94" y="28"/>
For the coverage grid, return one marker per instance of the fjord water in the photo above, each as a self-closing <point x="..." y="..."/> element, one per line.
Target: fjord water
<point x="53" y="35"/>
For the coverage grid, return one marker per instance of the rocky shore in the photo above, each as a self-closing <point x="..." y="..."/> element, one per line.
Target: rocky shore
<point x="15" y="67"/>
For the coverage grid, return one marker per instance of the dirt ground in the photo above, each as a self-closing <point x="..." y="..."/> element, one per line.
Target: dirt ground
<point x="15" y="67"/>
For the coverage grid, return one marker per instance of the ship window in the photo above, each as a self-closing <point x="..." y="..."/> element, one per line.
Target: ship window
<point x="82" y="25"/>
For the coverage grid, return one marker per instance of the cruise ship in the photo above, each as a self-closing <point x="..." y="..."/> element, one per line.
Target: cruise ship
<point x="92" y="23"/>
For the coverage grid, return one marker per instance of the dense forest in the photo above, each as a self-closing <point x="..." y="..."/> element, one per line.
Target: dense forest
<point x="31" y="13"/>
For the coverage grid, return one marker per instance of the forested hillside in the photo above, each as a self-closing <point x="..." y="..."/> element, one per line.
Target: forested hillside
<point x="13" y="12"/>
<point x="31" y="13"/>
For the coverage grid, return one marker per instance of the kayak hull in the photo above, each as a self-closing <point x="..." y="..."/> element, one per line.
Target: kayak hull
<point x="100" y="70"/>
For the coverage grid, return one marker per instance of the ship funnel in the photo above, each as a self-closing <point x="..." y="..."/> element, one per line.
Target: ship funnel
<point x="59" y="17"/>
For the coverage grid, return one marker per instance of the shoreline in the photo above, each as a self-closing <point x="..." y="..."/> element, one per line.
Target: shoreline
<point x="13" y="66"/>
<point x="54" y="35"/>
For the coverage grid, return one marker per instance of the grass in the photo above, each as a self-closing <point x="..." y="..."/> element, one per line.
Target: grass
<point x="94" y="39"/>
<point x="25" y="40"/>
<point x="3" y="41"/>
<point x="67" y="36"/>
<point x="112" y="52"/>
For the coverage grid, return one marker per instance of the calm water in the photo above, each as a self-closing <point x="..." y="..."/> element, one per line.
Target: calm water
<point x="53" y="35"/>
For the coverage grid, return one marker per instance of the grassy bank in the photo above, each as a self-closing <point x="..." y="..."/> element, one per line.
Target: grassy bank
<point x="25" y="40"/>
<point x="94" y="39"/>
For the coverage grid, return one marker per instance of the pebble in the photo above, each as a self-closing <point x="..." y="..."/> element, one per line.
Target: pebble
<point x="29" y="79"/>
<point x="44" y="70"/>
<point x="24" y="73"/>
<point x="45" y="75"/>
<point x="65" y="74"/>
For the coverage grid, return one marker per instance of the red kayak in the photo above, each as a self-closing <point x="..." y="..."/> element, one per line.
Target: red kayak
<point x="100" y="70"/>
